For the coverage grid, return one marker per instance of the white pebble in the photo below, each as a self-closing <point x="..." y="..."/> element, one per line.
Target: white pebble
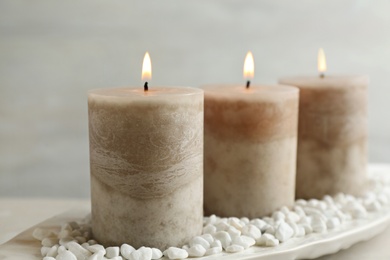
<point x="263" y="239"/>
<point x="145" y="253"/>
<point x="112" y="251"/>
<point x="213" y="251"/>
<point x="156" y="253"/>
<point x="259" y="223"/>
<point x="235" y="222"/>
<point x="284" y="232"/>
<point x="270" y="230"/>
<point x="209" y="229"/>
<point x="224" y="237"/>
<point x="96" y="248"/>
<point x="79" y="251"/>
<point x="61" y="249"/>
<point x="208" y="237"/>
<point x="175" y="253"/>
<point x="244" y="220"/>
<point x="272" y="242"/>
<point x="53" y="251"/>
<point x="233" y="232"/>
<point x="234" y="248"/>
<point x="333" y="223"/>
<point x="216" y="243"/>
<point x="126" y="250"/>
<point x="251" y="231"/>
<point x="374" y="206"/>
<point x="49" y="258"/>
<point x="196" y="251"/>
<point x="222" y="226"/>
<point x="318" y="225"/>
<point x="97" y="256"/>
<point x="66" y="255"/>
<point x="64" y="241"/>
<point x="199" y="241"/>
<point x="49" y="241"/>
<point x="244" y="241"/>
<point x="44" y="250"/>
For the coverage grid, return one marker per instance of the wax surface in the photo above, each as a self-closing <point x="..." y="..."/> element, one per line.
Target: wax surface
<point x="146" y="155"/>
<point x="332" y="135"/>
<point x="250" y="149"/>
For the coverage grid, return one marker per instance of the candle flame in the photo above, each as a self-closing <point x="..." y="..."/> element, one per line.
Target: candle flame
<point x="321" y="61"/>
<point x="249" y="66"/>
<point x="146" y="68"/>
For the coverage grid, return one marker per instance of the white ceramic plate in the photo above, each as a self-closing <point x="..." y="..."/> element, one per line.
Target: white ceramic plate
<point x="24" y="246"/>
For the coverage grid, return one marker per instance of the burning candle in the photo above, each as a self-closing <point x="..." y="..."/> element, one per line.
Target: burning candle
<point x="250" y="147"/>
<point x="146" y="158"/>
<point x="332" y="133"/>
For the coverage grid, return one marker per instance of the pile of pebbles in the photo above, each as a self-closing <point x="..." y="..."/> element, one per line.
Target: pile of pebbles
<point x="231" y="235"/>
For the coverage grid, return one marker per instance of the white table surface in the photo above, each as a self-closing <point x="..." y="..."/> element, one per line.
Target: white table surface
<point x="17" y="215"/>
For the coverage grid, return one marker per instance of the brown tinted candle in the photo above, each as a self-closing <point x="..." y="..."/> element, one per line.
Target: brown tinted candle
<point x="332" y="135"/>
<point x="250" y="149"/>
<point x="146" y="159"/>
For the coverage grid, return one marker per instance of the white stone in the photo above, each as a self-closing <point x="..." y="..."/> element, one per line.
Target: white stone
<point x="66" y="255"/>
<point x="156" y="253"/>
<point x="251" y="231"/>
<point x="45" y="250"/>
<point x="234" y="248"/>
<point x="196" y="251"/>
<point x="49" y="258"/>
<point x="333" y="223"/>
<point x="208" y="237"/>
<point x="79" y="251"/>
<point x="96" y="248"/>
<point x="49" y="241"/>
<point x="222" y="226"/>
<point x="233" y="232"/>
<point x="175" y="253"/>
<point x="259" y="223"/>
<point x="53" y="251"/>
<point x="112" y="251"/>
<point x="213" y="250"/>
<point x="272" y="242"/>
<point x="199" y="241"/>
<point x="284" y="232"/>
<point x="318" y="225"/>
<point x="216" y="243"/>
<point x="126" y="250"/>
<point x="145" y="253"/>
<point x="209" y="229"/>
<point x="270" y="230"/>
<point x="97" y="256"/>
<point x="263" y="239"/>
<point x="244" y="241"/>
<point x="224" y="237"/>
<point x="235" y="222"/>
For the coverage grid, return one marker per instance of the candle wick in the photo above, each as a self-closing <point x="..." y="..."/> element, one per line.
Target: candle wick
<point x="146" y="88"/>
<point x="322" y="75"/>
<point x="248" y="83"/>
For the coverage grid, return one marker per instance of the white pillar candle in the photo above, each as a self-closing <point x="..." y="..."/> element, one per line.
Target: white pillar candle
<point x="332" y="134"/>
<point x="250" y="149"/>
<point x="146" y="158"/>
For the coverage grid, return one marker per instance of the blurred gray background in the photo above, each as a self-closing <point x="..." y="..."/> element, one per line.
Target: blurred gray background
<point x="53" y="52"/>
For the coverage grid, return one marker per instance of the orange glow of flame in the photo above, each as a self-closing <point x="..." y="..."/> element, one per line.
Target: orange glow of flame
<point x="146" y="68"/>
<point x="321" y="61"/>
<point x="249" y="66"/>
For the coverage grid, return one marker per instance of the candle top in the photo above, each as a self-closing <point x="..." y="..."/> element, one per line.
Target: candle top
<point x="254" y="92"/>
<point x="326" y="81"/>
<point x="137" y="92"/>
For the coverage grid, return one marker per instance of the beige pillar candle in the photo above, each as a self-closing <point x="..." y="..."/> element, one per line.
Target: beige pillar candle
<point x="250" y="149"/>
<point x="332" y="135"/>
<point x="146" y="158"/>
